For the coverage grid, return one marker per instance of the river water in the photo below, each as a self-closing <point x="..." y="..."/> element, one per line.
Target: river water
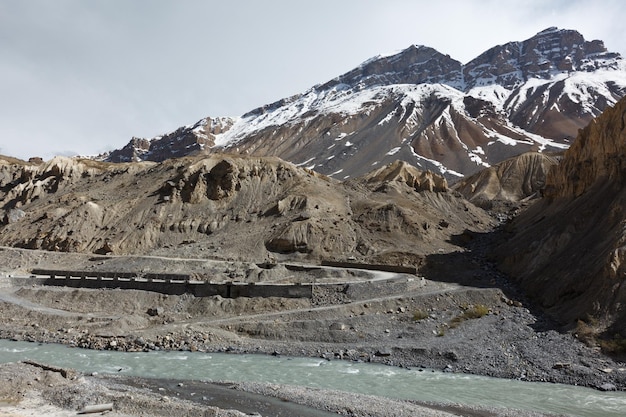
<point x="423" y="385"/>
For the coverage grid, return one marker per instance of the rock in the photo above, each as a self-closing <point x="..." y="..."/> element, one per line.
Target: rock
<point x="96" y="408"/>
<point x="561" y="365"/>
<point x="155" y="311"/>
<point x="14" y="216"/>
<point x="105" y="249"/>
<point x="338" y="326"/>
<point x="402" y="172"/>
<point x="383" y="352"/>
<point x="607" y="387"/>
<point x="577" y="280"/>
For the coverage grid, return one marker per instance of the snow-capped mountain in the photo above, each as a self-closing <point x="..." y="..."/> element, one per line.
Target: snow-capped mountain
<point x="423" y="107"/>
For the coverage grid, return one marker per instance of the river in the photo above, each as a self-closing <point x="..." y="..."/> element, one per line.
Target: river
<point x="375" y="379"/>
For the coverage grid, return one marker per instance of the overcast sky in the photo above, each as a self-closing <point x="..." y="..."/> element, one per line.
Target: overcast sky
<point x="84" y="76"/>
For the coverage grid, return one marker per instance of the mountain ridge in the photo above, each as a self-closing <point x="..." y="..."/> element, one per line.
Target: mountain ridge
<point x="425" y="108"/>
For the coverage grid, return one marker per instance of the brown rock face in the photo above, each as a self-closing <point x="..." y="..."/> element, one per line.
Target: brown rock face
<point x="511" y="180"/>
<point x="569" y="249"/>
<point x="598" y="155"/>
<point x="401" y="172"/>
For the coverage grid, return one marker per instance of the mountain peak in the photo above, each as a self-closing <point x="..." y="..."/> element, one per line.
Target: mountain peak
<point x="417" y="64"/>
<point x="550" y="52"/>
<point x="551" y="29"/>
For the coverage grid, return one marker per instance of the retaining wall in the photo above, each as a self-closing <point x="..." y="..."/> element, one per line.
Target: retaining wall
<point x="371" y="289"/>
<point x="172" y="284"/>
<point x="178" y="284"/>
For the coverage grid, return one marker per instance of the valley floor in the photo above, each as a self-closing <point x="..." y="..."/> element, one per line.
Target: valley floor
<point x="463" y="317"/>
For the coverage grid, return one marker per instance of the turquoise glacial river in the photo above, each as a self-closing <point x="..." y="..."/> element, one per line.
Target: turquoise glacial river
<point x="423" y="385"/>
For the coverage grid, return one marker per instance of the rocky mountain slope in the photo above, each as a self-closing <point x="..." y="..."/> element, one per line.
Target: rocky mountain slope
<point x="568" y="251"/>
<point x="423" y="107"/>
<point x="512" y="180"/>
<point x="182" y="142"/>
<point x="226" y="207"/>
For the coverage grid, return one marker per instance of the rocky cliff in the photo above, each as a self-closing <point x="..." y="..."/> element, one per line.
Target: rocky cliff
<point x="569" y="250"/>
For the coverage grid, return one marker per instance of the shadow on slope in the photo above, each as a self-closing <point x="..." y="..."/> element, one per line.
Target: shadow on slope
<point x="474" y="266"/>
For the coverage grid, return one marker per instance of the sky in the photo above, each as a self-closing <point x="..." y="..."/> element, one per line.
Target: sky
<point x="81" y="77"/>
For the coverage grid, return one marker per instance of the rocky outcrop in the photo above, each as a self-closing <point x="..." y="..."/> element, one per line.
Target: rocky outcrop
<point x="597" y="156"/>
<point x="23" y="182"/>
<point x="569" y="250"/>
<point x="513" y="180"/>
<point x="401" y="172"/>
<point x="184" y="141"/>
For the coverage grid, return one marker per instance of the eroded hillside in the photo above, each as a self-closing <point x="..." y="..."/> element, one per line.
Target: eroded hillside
<point x="230" y="207"/>
<point x="512" y="180"/>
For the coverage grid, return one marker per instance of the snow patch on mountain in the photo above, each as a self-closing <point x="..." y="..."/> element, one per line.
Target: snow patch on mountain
<point x="316" y="102"/>
<point x="393" y="151"/>
<point x="493" y="93"/>
<point x="582" y="88"/>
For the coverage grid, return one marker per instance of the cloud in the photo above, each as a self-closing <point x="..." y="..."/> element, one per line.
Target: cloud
<point x="81" y="75"/>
